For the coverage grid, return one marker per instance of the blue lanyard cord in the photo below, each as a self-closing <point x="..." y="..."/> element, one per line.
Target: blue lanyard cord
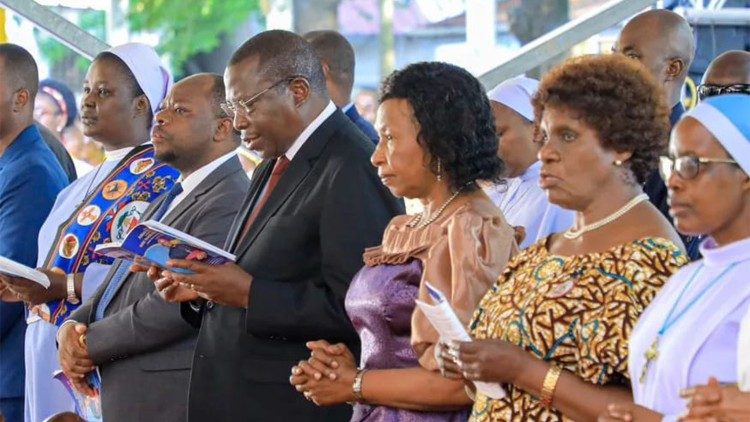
<point x="669" y="321"/>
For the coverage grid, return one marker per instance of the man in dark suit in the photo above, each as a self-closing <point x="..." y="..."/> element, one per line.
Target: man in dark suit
<point x="314" y="205"/>
<point x="141" y="344"/>
<point x="337" y="57"/>
<point x="30" y="179"/>
<point x="663" y="41"/>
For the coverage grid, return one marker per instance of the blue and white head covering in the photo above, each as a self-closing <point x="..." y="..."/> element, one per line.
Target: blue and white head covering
<point x="516" y="93"/>
<point x="148" y="69"/>
<point x="727" y="117"/>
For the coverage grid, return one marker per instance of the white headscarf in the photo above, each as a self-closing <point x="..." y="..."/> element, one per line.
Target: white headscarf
<point x="516" y="93"/>
<point x="150" y="73"/>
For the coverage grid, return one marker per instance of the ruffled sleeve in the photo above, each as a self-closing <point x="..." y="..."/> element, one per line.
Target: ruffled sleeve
<point x="471" y="250"/>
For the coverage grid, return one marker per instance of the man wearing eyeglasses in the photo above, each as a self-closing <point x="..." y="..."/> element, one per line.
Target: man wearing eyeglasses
<point x="315" y="203"/>
<point x="663" y="41"/>
<point x="729" y="73"/>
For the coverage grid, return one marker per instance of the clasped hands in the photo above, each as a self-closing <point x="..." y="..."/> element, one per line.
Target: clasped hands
<point x="17" y="289"/>
<point x="226" y="284"/>
<point x="327" y="377"/>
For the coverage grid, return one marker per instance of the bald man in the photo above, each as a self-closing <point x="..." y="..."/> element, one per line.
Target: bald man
<point x="337" y="57"/>
<point x="140" y="343"/>
<point x="729" y="73"/>
<point x="30" y="179"/>
<point x="663" y="41"/>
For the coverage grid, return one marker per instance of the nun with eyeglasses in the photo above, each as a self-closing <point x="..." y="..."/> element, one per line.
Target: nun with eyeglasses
<point x="690" y="334"/>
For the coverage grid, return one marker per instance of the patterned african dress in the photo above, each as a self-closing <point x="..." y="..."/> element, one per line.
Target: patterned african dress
<point x="576" y="311"/>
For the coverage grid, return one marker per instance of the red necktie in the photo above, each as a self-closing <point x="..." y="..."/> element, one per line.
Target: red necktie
<point x="282" y="163"/>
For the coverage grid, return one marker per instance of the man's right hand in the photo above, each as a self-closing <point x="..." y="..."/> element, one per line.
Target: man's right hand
<point x="74" y="356"/>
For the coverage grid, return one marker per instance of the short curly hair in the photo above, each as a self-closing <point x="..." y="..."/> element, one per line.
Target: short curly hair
<point x="618" y="98"/>
<point x="454" y="117"/>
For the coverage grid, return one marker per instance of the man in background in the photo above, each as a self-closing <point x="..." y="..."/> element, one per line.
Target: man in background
<point x="663" y="41"/>
<point x="337" y="57"/>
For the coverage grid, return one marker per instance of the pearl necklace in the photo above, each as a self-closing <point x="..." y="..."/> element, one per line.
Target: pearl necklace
<point x="416" y="222"/>
<point x="574" y="233"/>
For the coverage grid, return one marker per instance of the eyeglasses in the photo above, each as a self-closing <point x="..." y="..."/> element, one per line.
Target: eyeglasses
<point x="246" y="106"/>
<point x="687" y="167"/>
<point x="709" y="90"/>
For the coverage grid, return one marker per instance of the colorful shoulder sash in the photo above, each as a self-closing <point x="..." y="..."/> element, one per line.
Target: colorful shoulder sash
<point x="106" y="215"/>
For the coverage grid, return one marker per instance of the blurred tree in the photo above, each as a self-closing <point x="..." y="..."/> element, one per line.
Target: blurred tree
<point x="64" y="64"/>
<point x="534" y="18"/>
<point x="189" y="27"/>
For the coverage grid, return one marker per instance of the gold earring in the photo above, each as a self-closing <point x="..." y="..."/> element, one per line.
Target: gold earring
<point x="439" y="170"/>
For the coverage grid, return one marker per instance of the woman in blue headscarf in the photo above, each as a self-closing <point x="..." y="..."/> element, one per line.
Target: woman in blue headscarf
<point x="690" y="331"/>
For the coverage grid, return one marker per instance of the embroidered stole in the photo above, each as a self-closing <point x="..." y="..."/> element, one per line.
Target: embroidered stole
<point x="106" y="215"/>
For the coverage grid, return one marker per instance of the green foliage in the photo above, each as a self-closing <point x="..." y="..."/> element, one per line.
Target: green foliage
<point x="92" y="21"/>
<point x="188" y="27"/>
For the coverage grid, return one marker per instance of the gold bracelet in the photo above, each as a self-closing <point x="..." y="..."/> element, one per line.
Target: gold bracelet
<point x="357" y="385"/>
<point x="548" y="386"/>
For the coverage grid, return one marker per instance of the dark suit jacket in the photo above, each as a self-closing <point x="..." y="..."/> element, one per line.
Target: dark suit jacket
<point x="143" y="347"/>
<point x="366" y="127"/>
<point x="302" y="251"/>
<point x="30" y="179"/>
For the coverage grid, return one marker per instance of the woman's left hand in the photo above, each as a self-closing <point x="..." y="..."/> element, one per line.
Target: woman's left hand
<point x="483" y="360"/>
<point x="629" y="412"/>
<point x="714" y="402"/>
<point x="327" y="377"/>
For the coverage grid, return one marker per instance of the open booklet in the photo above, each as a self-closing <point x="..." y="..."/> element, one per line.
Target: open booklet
<point x="14" y="269"/>
<point x="89" y="408"/>
<point x="450" y="328"/>
<point x="153" y="243"/>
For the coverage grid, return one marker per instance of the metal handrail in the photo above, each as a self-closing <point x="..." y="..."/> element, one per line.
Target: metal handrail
<point x="563" y="38"/>
<point x="62" y="29"/>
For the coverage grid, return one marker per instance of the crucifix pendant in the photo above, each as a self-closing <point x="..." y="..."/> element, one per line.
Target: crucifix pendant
<point x="651" y="354"/>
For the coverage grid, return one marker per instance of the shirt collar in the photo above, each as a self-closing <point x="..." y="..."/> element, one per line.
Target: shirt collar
<point x="195" y="178"/>
<point x="119" y="154"/>
<point x="347" y="107"/>
<point x="20" y="144"/>
<point x="312" y="127"/>
<point x="716" y="256"/>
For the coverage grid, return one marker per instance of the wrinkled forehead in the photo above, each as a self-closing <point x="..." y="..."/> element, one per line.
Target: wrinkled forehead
<point x="244" y="79"/>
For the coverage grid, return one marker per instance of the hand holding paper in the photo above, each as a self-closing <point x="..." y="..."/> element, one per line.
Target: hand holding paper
<point x="450" y="328"/>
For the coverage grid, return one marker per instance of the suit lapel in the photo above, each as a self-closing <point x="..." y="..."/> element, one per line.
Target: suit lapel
<point x="298" y="170"/>
<point x="205" y="186"/>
